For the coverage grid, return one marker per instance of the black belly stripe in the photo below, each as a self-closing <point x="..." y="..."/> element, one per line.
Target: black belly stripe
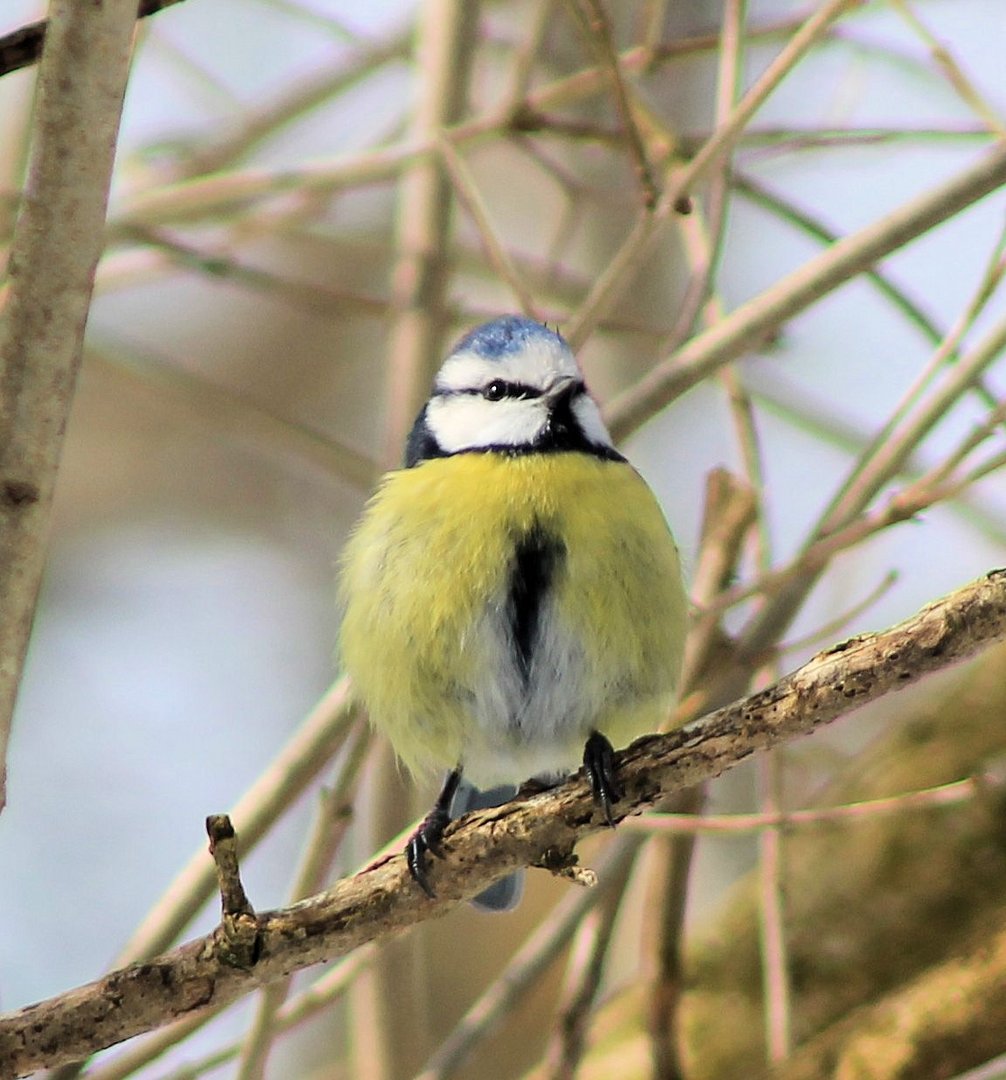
<point x="538" y="556"/>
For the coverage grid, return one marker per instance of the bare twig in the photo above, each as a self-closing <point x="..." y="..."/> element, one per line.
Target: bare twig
<point x="528" y="964"/>
<point x="596" y="28"/>
<point x="332" y="819"/>
<point x="222" y="150"/>
<point x="22" y="48"/>
<point x="943" y="795"/>
<point x="224" y="850"/>
<point x="526" y="53"/>
<point x="951" y="70"/>
<point x="231" y="412"/>
<point x="749" y="325"/>
<point x="834" y="627"/>
<point x="58" y="239"/>
<point x="468" y="195"/>
<point x="583" y="978"/>
<point x="759" y="194"/>
<point x="772" y="920"/>
<point x="627" y="260"/>
<point x="237" y="939"/>
<point x="729" y="513"/>
<point x="731" y="510"/>
<point x="321" y="734"/>
<point x="193" y="199"/>
<point x="839" y="523"/>
<point x="303" y="1006"/>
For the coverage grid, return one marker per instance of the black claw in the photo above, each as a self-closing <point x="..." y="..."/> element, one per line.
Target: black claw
<point x="425" y="839"/>
<point x="599" y="761"/>
<point x="429" y="834"/>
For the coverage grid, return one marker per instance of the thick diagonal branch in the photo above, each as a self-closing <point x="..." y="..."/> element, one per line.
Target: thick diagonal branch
<point x="541" y="830"/>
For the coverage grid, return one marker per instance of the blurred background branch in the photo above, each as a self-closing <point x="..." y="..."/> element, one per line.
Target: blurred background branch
<point x="55" y="244"/>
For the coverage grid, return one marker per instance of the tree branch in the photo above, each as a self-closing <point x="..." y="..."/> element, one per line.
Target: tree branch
<point x="539" y="830"/>
<point x="22" y="47"/>
<point x="58" y="238"/>
<point x="748" y="325"/>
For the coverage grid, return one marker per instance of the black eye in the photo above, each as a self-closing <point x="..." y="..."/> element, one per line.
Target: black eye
<point x="500" y="388"/>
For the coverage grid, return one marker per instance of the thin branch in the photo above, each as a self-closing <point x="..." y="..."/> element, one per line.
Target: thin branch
<point x="390" y="1028"/>
<point x="21" y="48"/>
<point x="834" y="626"/>
<point x="626" y="262"/>
<point x="221" y="151"/>
<point x="423" y="215"/>
<point x="332" y="818"/>
<point x="528" y="964"/>
<point x="731" y="510"/>
<point x="526" y="53"/>
<point x="321" y="735"/>
<point x="839" y="524"/>
<point x="955" y="793"/>
<point x="189" y="200"/>
<point x="596" y="28"/>
<point x="231" y="413"/>
<point x="890" y="449"/>
<point x="758" y="194"/>
<point x="220" y="264"/>
<point x="312" y="745"/>
<point x="583" y="979"/>
<point x="58" y="238"/>
<point x="772" y="915"/>
<point x="951" y="70"/>
<point x="749" y="325"/>
<point x="467" y="193"/>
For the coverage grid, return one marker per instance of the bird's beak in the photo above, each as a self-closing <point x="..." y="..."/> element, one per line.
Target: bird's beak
<point x="561" y="390"/>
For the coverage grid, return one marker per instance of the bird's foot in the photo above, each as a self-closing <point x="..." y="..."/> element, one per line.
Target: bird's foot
<point x="426" y="839"/>
<point x="599" y="762"/>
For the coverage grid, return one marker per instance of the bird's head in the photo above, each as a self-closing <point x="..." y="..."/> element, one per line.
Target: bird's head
<point x="514" y="386"/>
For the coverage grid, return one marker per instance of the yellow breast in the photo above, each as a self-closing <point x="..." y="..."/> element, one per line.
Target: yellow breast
<point x="424" y="580"/>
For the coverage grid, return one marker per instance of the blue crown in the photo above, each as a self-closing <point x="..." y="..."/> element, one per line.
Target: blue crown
<point x="507" y="334"/>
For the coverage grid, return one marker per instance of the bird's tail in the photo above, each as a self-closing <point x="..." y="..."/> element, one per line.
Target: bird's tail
<point x="505" y="894"/>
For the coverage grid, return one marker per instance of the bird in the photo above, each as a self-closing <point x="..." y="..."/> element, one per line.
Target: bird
<point x="513" y="597"/>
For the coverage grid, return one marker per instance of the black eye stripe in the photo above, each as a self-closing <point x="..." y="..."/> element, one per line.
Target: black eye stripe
<point x="498" y="389"/>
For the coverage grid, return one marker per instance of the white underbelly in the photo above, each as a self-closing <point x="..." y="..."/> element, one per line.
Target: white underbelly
<point x="533" y="722"/>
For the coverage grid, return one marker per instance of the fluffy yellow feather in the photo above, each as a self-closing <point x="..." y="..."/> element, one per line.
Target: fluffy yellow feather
<point x="434" y="550"/>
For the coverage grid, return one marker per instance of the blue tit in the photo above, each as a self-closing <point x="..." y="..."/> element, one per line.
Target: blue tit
<point x="513" y="596"/>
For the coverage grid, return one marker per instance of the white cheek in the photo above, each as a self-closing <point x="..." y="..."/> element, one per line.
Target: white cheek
<point x="588" y="417"/>
<point x="466" y="421"/>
